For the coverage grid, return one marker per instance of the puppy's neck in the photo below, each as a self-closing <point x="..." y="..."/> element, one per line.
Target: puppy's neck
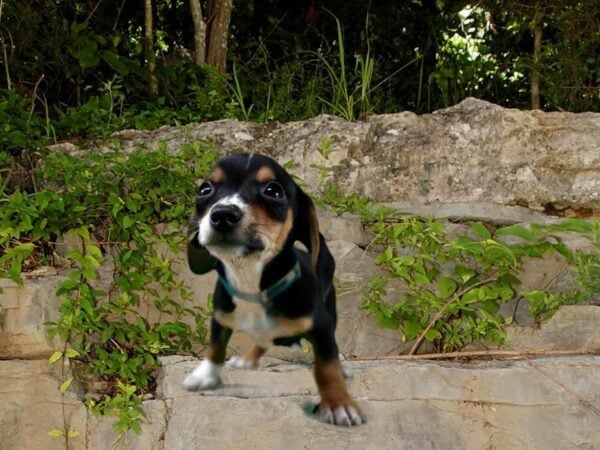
<point x="258" y="271"/>
<point x="244" y="272"/>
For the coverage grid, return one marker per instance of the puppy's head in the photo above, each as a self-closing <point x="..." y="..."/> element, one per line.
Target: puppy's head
<point x="249" y="205"/>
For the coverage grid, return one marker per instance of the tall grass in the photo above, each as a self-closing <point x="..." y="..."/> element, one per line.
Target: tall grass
<point x="349" y="99"/>
<point x="238" y="95"/>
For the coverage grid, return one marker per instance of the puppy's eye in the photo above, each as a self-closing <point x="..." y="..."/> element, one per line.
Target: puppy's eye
<point x="205" y="189"/>
<point x="274" y="190"/>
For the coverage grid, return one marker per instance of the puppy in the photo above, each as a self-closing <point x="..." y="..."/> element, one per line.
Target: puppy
<point x="249" y="213"/>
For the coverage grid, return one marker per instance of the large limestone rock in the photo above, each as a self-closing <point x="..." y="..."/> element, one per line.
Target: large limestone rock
<point x="539" y="403"/>
<point x="543" y="403"/>
<point x="471" y="152"/>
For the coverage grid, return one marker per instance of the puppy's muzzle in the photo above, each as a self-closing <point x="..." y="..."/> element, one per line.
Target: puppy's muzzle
<point x="224" y="218"/>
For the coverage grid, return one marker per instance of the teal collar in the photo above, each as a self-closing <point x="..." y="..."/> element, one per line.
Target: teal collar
<point x="263" y="297"/>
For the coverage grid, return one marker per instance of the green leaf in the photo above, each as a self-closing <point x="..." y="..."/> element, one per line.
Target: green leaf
<point x="565" y="251"/>
<point x="387" y="322"/>
<point x="128" y="222"/>
<point x="517" y="230"/>
<point x="56" y="433"/>
<point x="73" y="433"/>
<point x="421" y="279"/>
<point x="115" y="63"/>
<point x="71" y="353"/>
<point x="432" y="334"/>
<point x="464" y="273"/>
<point x="574" y="225"/>
<point x="135" y="426"/>
<point x="446" y="287"/>
<point x="411" y="329"/>
<point x="94" y="251"/>
<point x="132" y="204"/>
<point x="508" y="279"/>
<point x="89" y="274"/>
<point x="66" y="384"/>
<point x="491" y="306"/>
<point x="480" y="230"/>
<point x="23" y="250"/>
<point x="55" y="357"/>
<point x="82" y="232"/>
<point x="471" y="296"/>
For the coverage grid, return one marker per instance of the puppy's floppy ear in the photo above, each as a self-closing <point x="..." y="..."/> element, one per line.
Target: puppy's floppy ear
<point x="199" y="259"/>
<point x="306" y="226"/>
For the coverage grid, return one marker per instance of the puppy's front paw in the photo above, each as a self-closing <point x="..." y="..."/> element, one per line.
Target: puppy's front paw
<point x="346" y="414"/>
<point x="239" y="362"/>
<point x="205" y="376"/>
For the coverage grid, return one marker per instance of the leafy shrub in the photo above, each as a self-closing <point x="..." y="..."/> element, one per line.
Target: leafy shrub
<point x="112" y="203"/>
<point x="453" y="287"/>
<point x="20" y="126"/>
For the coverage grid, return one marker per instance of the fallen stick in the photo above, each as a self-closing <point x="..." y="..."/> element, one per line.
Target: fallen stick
<point x="477" y="355"/>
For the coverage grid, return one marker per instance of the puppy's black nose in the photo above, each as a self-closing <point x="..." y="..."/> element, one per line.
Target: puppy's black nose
<point x="224" y="218"/>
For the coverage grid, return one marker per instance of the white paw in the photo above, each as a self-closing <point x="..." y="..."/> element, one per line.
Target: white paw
<point x="205" y="376"/>
<point x="239" y="362"/>
<point x="344" y="415"/>
<point x="346" y="372"/>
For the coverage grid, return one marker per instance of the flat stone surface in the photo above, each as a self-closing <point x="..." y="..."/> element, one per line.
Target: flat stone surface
<point x="345" y="227"/>
<point x="489" y="212"/>
<point x="23" y="311"/>
<point x="573" y="327"/>
<point x="501" y="404"/>
<point x="30" y="406"/>
<point x="102" y="435"/>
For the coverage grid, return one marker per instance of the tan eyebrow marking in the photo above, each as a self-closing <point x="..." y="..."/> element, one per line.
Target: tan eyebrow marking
<point x="264" y="174"/>
<point x="217" y="175"/>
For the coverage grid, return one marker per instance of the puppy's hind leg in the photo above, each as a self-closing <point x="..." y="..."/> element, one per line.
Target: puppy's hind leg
<point x="249" y="360"/>
<point x="207" y="374"/>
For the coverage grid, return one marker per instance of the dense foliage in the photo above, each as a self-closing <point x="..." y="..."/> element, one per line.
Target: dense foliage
<point x="80" y="67"/>
<point x="115" y="206"/>
<point x="451" y="286"/>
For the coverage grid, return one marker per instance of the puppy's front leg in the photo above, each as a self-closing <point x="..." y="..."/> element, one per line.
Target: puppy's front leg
<point x="337" y="406"/>
<point x="208" y="373"/>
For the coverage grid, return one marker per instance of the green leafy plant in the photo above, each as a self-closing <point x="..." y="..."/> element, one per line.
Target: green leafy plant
<point x="324" y="147"/>
<point x="20" y="126"/>
<point x="129" y="209"/>
<point x="453" y="286"/>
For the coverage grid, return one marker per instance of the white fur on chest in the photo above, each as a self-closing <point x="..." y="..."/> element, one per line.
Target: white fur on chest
<point x="252" y="319"/>
<point x="244" y="273"/>
<point x="252" y="316"/>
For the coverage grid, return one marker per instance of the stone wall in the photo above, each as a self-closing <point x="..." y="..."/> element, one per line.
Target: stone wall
<point x="472" y="161"/>
<point x="472" y="152"/>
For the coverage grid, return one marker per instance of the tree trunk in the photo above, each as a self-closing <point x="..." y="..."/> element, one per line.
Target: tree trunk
<point x="537" y="56"/>
<point x="149" y="47"/>
<point x="219" y="14"/>
<point x="199" y="32"/>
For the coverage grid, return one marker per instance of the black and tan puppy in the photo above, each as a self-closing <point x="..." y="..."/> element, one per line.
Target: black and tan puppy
<point x="249" y="213"/>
